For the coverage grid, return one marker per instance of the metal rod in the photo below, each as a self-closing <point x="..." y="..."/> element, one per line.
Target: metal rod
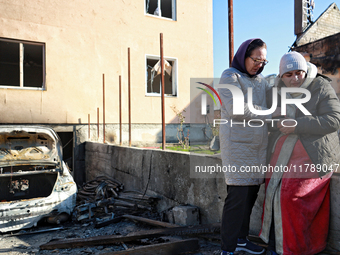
<point x="231" y="30"/>
<point x="98" y="123"/>
<point x="120" y="109"/>
<point x="162" y="82"/>
<point x="89" y="125"/>
<point x="21" y="64"/>
<point x="129" y="96"/>
<point x="103" y="108"/>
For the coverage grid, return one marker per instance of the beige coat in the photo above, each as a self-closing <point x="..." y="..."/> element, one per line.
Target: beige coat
<point x="243" y="148"/>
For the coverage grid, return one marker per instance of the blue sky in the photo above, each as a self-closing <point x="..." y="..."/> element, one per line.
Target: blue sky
<point x="270" y="20"/>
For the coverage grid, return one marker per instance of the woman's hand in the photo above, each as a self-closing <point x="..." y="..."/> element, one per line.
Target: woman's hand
<point x="289" y="129"/>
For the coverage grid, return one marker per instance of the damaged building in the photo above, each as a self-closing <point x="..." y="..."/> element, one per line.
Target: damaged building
<point x="319" y="40"/>
<point x="58" y="58"/>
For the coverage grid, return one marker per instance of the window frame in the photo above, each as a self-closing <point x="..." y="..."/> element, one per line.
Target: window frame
<point x="173" y="11"/>
<point x="21" y="65"/>
<point x="174" y="76"/>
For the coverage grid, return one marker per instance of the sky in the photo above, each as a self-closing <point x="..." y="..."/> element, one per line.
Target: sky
<point x="270" y="20"/>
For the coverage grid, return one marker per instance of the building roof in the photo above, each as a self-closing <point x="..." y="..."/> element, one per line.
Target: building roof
<point x="328" y="23"/>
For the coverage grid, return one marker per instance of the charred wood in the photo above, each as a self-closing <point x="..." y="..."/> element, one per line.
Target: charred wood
<point x="112" y="239"/>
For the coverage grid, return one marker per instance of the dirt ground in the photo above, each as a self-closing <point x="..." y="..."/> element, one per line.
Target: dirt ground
<point x="27" y="242"/>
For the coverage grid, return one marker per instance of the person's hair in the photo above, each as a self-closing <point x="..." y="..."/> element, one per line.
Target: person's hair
<point x="257" y="43"/>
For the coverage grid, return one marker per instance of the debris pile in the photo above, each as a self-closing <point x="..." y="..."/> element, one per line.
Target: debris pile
<point x="99" y="188"/>
<point x="104" y="199"/>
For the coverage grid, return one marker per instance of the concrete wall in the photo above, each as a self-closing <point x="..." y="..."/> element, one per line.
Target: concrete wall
<point x="85" y="39"/>
<point x="163" y="173"/>
<point x="170" y="175"/>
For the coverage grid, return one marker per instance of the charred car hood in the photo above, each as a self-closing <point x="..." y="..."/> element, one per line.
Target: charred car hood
<point x="29" y="145"/>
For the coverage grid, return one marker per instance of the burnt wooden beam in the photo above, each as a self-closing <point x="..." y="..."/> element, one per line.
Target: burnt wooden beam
<point x="175" y="247"/>
<point x="150" y="222"/>
<point x="112" y="239"/>
<point x="108" y="222"/>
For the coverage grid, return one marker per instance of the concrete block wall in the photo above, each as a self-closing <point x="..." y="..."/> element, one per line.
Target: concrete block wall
<point x="167" y="175"/>
<point x="162" y="173"/>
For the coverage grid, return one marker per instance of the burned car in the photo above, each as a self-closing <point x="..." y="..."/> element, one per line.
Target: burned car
<point x="35" y="183"/>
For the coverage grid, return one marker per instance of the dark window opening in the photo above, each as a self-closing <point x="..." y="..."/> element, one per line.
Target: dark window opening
<point x="151" y="6"/>
<point x="153" y="82"/>
<point x="33" y="66"/>
<point x="9" y="64"/>
<point x="166" y="7"/>
<point x="161" y="8"/>
<point x="21" y="64"/>
<point x="154" y="77"/>
<point x="67" y="143"/>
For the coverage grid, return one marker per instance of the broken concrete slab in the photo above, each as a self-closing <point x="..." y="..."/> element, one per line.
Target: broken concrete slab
<point x="186" y="215"/>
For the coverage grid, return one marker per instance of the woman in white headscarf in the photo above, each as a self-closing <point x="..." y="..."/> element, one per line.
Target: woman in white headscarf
<point x="302" y="152"/>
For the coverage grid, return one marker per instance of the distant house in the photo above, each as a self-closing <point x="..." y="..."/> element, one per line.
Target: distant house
<point x="320" y="43"/>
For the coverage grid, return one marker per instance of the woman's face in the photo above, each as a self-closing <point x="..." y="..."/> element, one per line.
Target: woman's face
<point x="294" y="78"/>
<point x="255" y="61"/>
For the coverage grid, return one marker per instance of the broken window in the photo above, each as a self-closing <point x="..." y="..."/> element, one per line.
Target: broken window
<point x="161" y="8"/>
<point x="153" y="76"/>
<point x="22" y="64"/>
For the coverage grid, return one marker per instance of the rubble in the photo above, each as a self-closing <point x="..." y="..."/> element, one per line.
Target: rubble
<point x="113" y="239"/>
<point x="110" y="220"/>
<point x="104" y="198"/>
<point x="103" y="201"/>
<point x="186" y="215"/>
<point x="170" y="248"/>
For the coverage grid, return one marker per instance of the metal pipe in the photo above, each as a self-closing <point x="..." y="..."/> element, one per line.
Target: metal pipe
<point x="120" y="109"/>
<point x="162" y="82"/>
<point x="231" y="30"/>
<point x="103" y="108"/>
<point x="89" y="125"/>
<point x="98" y="123"/>
<point x="129" y="96"/>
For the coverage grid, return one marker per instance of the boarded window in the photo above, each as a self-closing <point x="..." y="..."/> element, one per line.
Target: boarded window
<point x="21" y="64"/>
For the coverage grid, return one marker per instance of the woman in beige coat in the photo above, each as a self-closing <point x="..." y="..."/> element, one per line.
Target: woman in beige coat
<point x="243" y="147"/>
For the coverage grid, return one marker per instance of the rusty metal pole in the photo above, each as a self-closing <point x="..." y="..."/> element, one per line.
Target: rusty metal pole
<point x="98" y="123"/>
<point x="120" y="110"/>
<point x="129" y="96"/>
<point x="162" y="80"/>
<point x="103" y="108"/>
<point x="89" y="125"/>
<point x="231" y="31"/>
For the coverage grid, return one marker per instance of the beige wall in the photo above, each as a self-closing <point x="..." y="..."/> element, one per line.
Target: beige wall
<point x="85" y="39"/>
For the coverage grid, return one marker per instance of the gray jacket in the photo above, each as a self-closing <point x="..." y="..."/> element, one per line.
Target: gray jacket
<point x="243" y="148"/>
<point x="317" y="132"/>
